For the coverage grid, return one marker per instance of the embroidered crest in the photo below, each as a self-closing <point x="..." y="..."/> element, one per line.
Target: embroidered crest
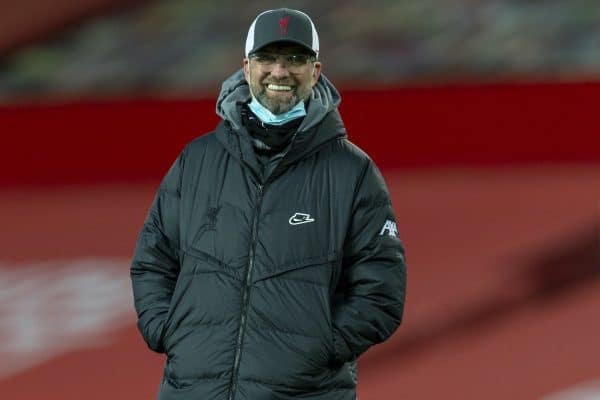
<point x="283" y="25"/>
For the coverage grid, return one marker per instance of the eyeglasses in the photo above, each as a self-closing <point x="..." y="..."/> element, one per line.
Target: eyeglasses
<point x="291" y="60"/>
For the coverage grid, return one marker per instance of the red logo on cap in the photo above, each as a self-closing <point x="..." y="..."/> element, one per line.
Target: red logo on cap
<point x="283" y="25"/>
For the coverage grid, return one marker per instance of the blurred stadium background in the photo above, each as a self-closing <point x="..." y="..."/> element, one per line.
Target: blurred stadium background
<point x="482" y="114"/>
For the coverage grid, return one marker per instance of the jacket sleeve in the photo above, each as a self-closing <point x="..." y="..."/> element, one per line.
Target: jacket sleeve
<point x="155" y="265"/>
<point x="370" y="295"/>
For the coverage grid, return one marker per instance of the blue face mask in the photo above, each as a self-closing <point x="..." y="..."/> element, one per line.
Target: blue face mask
<point x="268" y="117"/>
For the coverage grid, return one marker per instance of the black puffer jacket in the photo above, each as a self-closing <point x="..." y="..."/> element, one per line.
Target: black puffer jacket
<point x="268" y="284"/>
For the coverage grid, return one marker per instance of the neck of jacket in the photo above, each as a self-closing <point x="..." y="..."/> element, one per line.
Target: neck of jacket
<point x="321" y="125"/>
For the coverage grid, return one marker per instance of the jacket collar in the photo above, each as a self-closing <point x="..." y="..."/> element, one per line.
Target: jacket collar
<point x="235" y="91"/>
<point x="322" y="123"/>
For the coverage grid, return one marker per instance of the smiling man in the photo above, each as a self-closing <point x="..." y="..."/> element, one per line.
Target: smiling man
<point x="281" y="76"/>
<point x="270" y="258"/>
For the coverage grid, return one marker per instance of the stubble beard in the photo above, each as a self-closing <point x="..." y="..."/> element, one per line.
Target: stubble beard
<point x="279" y="105"/>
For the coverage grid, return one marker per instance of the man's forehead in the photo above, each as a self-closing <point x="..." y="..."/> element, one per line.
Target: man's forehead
<point x="284" y="48"/>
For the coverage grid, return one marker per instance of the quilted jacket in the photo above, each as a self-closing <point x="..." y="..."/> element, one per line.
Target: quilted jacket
<point x="267" y="282"/>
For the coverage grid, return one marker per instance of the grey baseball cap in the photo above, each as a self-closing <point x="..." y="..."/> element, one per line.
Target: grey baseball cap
<point x="282" y="25"/>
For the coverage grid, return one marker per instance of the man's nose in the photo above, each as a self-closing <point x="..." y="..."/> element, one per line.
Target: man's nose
<point x="280" y="69"/>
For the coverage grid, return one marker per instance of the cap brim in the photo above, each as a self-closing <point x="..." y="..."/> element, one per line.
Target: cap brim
<point x="286" y="40"/>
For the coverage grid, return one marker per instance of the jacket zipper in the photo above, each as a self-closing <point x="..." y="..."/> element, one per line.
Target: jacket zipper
<point x="245" y="296"/>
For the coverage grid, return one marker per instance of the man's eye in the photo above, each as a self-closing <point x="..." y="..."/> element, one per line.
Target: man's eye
<point x="265" y="58"/>
<point x="297" y="59"/>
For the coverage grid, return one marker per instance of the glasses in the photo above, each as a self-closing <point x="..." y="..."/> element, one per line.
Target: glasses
<point x="291" y="60"/>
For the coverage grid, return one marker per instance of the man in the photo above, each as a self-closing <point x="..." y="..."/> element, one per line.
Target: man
<point x="270" y="259"/>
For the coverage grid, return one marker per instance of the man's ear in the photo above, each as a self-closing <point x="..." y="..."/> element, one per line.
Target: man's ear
<point x="316" y="72"/>
<point x="247" y="69"/>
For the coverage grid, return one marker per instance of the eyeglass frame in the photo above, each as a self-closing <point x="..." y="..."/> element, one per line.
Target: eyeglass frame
<point x="288" y="59"/>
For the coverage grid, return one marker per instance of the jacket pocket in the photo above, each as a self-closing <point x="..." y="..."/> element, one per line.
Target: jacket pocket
<point x="305" y="287"/>
<point x="178" y="293"/>
<point x="274" y="271"/>
<point x="172" y="388"/>
<point x="291" y="320"/>
<point x="194" y="263"/>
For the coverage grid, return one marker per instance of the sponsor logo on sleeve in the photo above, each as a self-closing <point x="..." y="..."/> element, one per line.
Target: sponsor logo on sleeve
<point x="389" y="228"/>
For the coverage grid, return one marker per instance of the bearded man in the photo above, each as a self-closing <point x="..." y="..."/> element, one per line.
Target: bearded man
<point x="270" y="260"/>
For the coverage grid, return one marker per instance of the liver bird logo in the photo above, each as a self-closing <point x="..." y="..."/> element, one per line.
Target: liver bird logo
<point x="283" y="25"/>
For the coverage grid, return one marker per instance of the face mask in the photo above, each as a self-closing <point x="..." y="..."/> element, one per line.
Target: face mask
<point x="268" y="117"/>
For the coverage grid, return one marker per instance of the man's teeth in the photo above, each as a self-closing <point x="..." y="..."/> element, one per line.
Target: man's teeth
<point x="272" y="86"/>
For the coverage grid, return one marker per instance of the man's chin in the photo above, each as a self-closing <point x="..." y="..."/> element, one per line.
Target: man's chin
<point x="280" y="108"/>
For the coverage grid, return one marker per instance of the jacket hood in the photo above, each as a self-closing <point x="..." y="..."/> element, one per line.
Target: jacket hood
<point x="235" y="91"/>
<point x="321" y="124"/>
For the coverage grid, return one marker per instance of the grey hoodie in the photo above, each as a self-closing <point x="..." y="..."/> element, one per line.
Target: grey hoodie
<point x="235" y="91"/>
<point x="324" y="100"/>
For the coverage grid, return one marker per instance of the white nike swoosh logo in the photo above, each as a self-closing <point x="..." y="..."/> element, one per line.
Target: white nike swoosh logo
<point x="300" y="218"/>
